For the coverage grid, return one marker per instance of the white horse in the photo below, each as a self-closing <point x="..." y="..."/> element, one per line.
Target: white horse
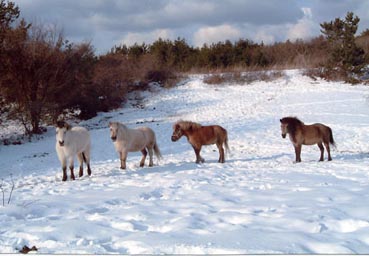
<point x="131" y="140"/>
<point x="71" y="141"/>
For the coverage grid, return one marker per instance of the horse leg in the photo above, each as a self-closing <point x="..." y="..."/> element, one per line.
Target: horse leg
<point x="72" y="172"/>
<point x="86" y="159"/>
<point x="123" y="158"/>
<point x="80" y="160"/>
<point x="151" y="153"/>
<point x="199" y="159"/>
<point x="320" y="145"/>
<point x="88" y="169"/>
<point x="326" y="144"/>
<point x="64" y="167"/>
<point x="71" y="167"/>
<point x="298" y="153"/>
<point x="144" y="154"/>
<point x="64" y="173"/>
<point x="221" y="153"/>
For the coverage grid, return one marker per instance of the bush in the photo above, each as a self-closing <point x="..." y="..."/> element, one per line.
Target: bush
<point x="346" y="58"/>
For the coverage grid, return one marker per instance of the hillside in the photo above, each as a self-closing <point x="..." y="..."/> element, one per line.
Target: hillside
<point x="259" y="201"/>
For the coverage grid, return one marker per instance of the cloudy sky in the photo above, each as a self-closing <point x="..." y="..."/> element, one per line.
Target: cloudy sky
<point x="112" y="22"/>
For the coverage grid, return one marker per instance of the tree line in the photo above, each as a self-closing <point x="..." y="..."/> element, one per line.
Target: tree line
<point x="44" y="77"/>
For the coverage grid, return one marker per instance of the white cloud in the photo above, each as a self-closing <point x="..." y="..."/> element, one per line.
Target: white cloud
<point x="110" y="22"/>
<point x="215" y="34"/>
<point x="264" y="36"/>
<point x="304" y="28"/>
<point x="147" y="38"/>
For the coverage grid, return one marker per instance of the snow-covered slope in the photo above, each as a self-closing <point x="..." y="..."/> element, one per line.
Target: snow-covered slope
<point x="259" y="201"/>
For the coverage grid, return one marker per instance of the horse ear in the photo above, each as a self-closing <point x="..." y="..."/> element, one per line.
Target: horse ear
<point x="59" y="124"/>
<point x="67" y="126"/>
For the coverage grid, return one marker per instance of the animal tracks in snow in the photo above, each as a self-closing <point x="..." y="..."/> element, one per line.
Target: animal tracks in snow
<point x="258" y="201"/>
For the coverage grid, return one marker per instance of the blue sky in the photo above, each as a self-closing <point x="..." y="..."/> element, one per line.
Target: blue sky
<point x="112" y="22"/>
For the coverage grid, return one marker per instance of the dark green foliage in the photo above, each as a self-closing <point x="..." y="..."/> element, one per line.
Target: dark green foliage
<point x="9" y="12"/>
<point x="136" y="51"/>
<point x="345" y="55"/>
<point x="43" y="76"/>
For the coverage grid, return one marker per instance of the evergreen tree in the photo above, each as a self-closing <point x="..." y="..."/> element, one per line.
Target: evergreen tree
<point x="344" y="53"/>
<point x="9" y="12"/>
<point x="161" y="50"/>
<point x="136" y="51"/>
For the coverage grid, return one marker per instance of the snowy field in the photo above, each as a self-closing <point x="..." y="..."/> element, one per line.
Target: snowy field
<point x="259" y="201"/>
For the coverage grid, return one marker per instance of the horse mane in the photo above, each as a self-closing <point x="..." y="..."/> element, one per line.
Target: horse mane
<point x="118" y="124"/>
<point x="63" y="124"/>
<point x="121" y="129"/>
<point x="293" y="124"/>
<point x="188" y="125"/>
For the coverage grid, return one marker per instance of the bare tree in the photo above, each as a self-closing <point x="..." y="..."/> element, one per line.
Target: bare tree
<point x="44" y="74"/>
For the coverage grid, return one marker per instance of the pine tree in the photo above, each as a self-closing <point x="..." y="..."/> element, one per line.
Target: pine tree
<point x="344" y="53"/>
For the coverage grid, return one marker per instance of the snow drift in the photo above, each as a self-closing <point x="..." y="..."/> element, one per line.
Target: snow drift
<point x="259" y="201"/>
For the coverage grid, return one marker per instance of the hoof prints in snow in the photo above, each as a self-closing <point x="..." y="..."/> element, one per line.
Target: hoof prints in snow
<point x="259" y="201"/>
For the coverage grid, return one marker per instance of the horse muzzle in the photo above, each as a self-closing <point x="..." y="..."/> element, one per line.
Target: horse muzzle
<point x="283" y="136"/>
<point x="114" y="138"/>
<point x="61" y="143"/>
<point x="174" y="138"/>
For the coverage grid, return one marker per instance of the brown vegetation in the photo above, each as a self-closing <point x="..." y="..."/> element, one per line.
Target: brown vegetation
<point x="43" y="76"/>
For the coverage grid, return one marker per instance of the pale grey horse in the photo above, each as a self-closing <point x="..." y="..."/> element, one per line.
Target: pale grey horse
<point x="71" y="141"/>
<point x="131" y="140"/>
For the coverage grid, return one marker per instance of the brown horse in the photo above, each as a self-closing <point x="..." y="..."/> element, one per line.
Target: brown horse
<point x="198" y="135"/>
<point x="301" y="134"/>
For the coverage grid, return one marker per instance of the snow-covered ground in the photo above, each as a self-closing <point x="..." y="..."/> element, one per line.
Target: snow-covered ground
<point x="259" y="201"/>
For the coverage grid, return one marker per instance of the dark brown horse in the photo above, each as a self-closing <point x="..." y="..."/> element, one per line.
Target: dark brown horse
<point x="198" y="135"/>
<point x="301" y="134"/>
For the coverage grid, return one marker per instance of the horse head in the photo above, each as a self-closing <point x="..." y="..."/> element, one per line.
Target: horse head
<point x="177" y="132"/>
<point x="284" y="128"/>
<point x="290" y="125"/>
<point x="61" y="129"/>
<point x="113" y="126"/>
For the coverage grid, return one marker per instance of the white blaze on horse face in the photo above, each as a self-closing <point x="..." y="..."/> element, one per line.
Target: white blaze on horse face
<point x="284" y="130"/>
<point x="60" y="135"/>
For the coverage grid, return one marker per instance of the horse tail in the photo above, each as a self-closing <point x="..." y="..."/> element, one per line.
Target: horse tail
<point x="84" y="157"/>
<point x="331" y="140"/>
<point x="157" y="151"/>
<point x="226" y="141"/>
